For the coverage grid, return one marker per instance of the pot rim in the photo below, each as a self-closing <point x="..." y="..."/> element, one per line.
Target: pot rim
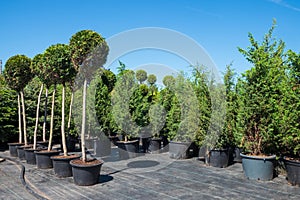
<point x="86" y="165"/>
<point x="65" y="158"/>
<point x="271" y="157"/>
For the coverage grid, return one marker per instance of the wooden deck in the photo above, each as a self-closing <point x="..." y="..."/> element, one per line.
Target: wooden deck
<point x="149" y="176"/>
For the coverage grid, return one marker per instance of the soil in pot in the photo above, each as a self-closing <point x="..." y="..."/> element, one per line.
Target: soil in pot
<point x="86" y="173"/>
<point x="43" y="158"/>
<point x="61" y="165"/>
<point x="128" y="149"/>
<point x="293" y="170"/>
<point x="218" y="158"/>
<point x="258" y="167"/>
<point x="155" y="145"/>
<point x="13" y="148"/>
<point x="21" y="151"/>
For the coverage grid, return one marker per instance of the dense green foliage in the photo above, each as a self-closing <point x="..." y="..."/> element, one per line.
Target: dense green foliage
<point x="261" y="107"/>
<point x="17" y="72"/>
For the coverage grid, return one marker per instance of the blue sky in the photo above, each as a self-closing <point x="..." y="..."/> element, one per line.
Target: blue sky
<point x="219" y="26"/>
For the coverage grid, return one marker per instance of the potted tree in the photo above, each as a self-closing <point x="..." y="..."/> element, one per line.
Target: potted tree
<point x="262" y="92"/>
<point x="103" y="107"/>
<point x="17" y="74"/>
<point x="55" y="59"/>
<point x="182" y="119"/>
<point x="65" y="71"/>
<point x="121" y="94"/>
<point x="88" y="53"/>
<point x="220" y="149"/>
<point x="157" y="116"/>
<point x="8" y="114"/>
<point x="289" y="112"/>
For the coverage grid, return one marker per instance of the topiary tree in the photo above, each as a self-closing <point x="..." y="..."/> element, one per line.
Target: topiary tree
<point x="141" y="75"/>
<point x="88" y="52"/>
<point x="17" y="74"/>
<point x="36" y="66"/>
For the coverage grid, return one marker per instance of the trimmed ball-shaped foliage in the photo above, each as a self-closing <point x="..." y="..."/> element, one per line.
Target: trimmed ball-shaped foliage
<point x="151" y="79"/>
<point x="85" y="43"/>
<point x="141" y="75"/>
<point x="17" y="72"/>
<point x="168" y="81"/>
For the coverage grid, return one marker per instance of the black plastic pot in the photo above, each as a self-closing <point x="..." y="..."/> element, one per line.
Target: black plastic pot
<point x="30" y="156"/>
<point x="21" y="151"/>
<point x="218" y="158"/>
<point x="128" y="149"/>
<point x="180" y="150"/>
<point x="13" y="148"/>
<point x="43" y="158"/>
<point x="42" y="144"/>
<point x="258" y="168"/>
<point x="293" y="171"/>
<point x="237" y="155"/>
<point x="71" y="143"/>
<point x="102" y="147"/>
<point x="155" y="145"/>
<point x="87" y="174"/>
<point x="114" y="139"/>
<point x="145" y="144"/>
<point x="61" y="165"/>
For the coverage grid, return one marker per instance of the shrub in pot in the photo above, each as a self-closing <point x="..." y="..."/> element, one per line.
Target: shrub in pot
<point x="121" y="94"/>
<point x="263" y="89"/>
<point x="182" y="119"/>
<point x="289" y="108"/>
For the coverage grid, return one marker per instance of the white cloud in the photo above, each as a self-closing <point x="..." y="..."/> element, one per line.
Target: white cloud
<point x="285" y="4"/>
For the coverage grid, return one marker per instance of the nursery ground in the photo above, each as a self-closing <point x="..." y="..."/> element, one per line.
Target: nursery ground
<point x="149" y="176"/>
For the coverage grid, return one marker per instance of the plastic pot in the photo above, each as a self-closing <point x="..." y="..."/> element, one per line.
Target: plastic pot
<point x="61" y="165"/>
<point x="43" y="158"/>
<point x="85" y="174"/>
<point x="293" y="171"/>
<point x="258" y="168"/>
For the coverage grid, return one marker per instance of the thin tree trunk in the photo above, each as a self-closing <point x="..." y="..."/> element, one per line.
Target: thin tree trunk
<point x="83" y="121"/>
<point x="45" y="115"/>
<point x="20" y="119"/>
<point x="70" y="111"/>
<point x="63" y="135"/>
<point x="24" y="118"/>
<point x="37" y="116"/>
<point x="51" y="121"/>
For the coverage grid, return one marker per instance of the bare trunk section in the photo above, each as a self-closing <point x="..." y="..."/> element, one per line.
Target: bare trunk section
<point x="83" y="121"/>
<point x="70" y="111"/>
<point x="24" y="118"/>
<point x="45" y="115"/>
<point x="20" y="119"/>
<point x="63" y="135"/>
<point x="37" y="116"/>
<point x="51" y="121"/>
